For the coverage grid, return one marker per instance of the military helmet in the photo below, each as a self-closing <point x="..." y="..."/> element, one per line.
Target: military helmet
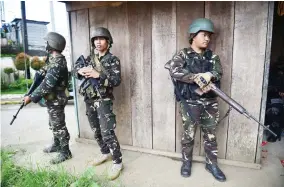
<point x="201" y="24"/>
<point x="55" y="41"/>
<point x="101" y="32"/>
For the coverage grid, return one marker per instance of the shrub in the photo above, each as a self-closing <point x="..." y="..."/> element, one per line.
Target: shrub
<point x="9" y="70"/>
<point x="20" y="84"/>
<point x="22" y="60"/>
<point x="4" y="85"/>
<point x="36" y="63"/>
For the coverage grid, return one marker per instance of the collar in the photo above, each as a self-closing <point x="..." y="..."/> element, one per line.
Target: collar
<point x="101" y="57"/>
<point x="191" y="51"/>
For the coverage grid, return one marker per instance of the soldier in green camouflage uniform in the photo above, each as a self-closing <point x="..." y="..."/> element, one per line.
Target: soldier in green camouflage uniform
<point x="52" y="89"/>
<point x="105" y="68"/>
<point x="186" y="67"/>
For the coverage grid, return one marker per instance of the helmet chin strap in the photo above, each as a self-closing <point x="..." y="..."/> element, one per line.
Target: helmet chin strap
<point x="48" y="49"/>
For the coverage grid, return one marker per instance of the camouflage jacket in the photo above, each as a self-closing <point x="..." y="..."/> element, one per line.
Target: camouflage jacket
<point x="110" y="76"/>
<point x="186" y="63"/>
<point x="55" y="82"/>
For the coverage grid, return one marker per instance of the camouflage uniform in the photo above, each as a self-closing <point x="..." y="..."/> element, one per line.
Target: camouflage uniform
<point x="99" y="109"/>
<point x="53" y="90"/>
<point x="203" y="110"/>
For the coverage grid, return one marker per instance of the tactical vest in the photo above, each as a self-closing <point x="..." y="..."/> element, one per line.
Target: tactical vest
<point x="106" y="92"/>
<point x="59" y="92"/>
<point x="196" y="65"/>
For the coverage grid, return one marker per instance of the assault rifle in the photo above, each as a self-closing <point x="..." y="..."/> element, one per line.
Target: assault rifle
<point x="226" y="98"/>
<point x="38" y="78"/>
<point x="86" y="82"/>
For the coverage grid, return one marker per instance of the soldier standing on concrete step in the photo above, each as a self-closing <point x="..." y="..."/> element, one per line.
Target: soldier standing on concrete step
<point x="105" y="68"/>
<point x="52" y="89"/>
<point x="187" y="67"/>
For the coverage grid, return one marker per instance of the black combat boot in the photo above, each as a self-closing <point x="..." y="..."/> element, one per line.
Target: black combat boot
<point x="185" y="170"/>
<point x="63" y="155"/>
<point x="216" y="172"/>
<point x="54" y="147"/>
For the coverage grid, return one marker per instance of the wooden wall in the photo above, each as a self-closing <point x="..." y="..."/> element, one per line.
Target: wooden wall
<point x="146" y="35"/>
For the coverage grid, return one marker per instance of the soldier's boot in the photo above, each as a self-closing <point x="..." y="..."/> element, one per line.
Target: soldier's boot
<point x="63" y="155"/>
<point x="54" y="147"/>
<point x="216" y="172"/>
<point x="185" y="170"/>
<point x="115" y="171"/>
<point x="101" y="159"/>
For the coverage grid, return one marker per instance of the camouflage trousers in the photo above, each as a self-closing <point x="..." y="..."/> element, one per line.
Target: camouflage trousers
<point x="206" y="115"/>
<point x="57" y="124"/>
<point x="102" y="121"/>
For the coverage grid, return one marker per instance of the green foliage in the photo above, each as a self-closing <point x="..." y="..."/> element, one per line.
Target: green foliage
<point x="36" y="63"/>
<point x="10" y="42"/>
<point x="7" y="55"/>
<point x="22" y="60"/>
<point x="13" y="92"/>
<point x="9" y="70"/>
<point x="20" y="84"/>
<point x="4" y="86"/>
<point x="3" y="35"/>
<point x="14" y="175"/>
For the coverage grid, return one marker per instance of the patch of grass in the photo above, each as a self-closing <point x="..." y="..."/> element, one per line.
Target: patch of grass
<point x="10" y="102"/>
<point x="16" y="176"/>
<point x="22" y="91"/>
<point x="7" y="55"/>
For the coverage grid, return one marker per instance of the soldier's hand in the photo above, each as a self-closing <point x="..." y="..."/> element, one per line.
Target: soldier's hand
<point x="203" y="79"/>
<point x="281" y="94"/>
<point x="206" y="89"/>
<point x="206" y="76"/>
<point x="27" y="100"/>
<point x="91" y="73"/>
<point x="83" y="70"/>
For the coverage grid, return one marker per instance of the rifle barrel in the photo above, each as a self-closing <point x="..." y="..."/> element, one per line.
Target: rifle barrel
<point x="15" y="116"/>
<point x="236" y="106"/>
<point x="263" y="126"/>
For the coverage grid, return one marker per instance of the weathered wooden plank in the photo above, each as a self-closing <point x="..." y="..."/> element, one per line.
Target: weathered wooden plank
<point x="222" y="15"/>
<point x="79" y="5"/>
<point x="186" y="13"/>
<point x="80" y="45"/>
<point x="247" y="77"/>
<point x="140" y="30"/>
<point x="118" y="26"/>
<point x="97" y="17"/>
<point x="163" y="48"/>
<point x="265" y="79"/>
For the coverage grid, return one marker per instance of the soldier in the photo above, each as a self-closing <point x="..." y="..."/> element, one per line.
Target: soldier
<point x="274" y="106"/>
<point x="52" y="89"/>
<point x="188" y="67"/>
<point x="105" y="68"/>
